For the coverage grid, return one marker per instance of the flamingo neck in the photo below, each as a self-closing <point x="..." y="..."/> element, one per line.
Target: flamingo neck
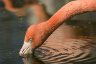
<point x="69" y="10"/>
<point x="8" y="5"/>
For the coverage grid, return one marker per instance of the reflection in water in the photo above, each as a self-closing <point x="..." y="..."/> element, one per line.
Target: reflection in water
<point x="59" y="50"/>
<point x="11" y="37"/>
<point x="71" y="52"/>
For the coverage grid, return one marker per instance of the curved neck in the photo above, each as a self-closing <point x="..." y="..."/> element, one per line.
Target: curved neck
<point x="69" y="10"/>
<point x="8" y="4"/>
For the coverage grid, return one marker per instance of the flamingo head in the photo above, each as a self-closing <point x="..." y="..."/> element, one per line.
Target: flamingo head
<point x="35" y="37"/>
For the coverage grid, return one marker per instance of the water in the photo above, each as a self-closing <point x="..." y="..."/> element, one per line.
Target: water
<point x="12" y="31"/>
<point x="11" y="38"/>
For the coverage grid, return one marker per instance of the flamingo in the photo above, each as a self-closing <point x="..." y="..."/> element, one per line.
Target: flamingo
<point x="20" y="9"/>
<point x="34" y="5"/>
<point x="37" y="34"/>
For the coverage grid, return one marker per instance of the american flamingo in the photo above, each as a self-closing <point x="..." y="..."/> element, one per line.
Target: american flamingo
<point x="27" y="4"/>
<point x="15" y="10"/>
<point x="18" y="7"/>
<point x="38" y="33"/>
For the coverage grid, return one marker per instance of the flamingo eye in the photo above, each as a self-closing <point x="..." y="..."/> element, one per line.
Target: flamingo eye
<point x="30" y="40"/>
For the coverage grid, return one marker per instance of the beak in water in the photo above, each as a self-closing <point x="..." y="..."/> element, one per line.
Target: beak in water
<point x="26" y="49"/>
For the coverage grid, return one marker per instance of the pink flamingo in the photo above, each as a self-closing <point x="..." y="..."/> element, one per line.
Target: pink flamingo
<point x="37" y="34"/>
<point x="18" y="11"/>
<point x="11" y="8"/>
<point x="34" y="5"/>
